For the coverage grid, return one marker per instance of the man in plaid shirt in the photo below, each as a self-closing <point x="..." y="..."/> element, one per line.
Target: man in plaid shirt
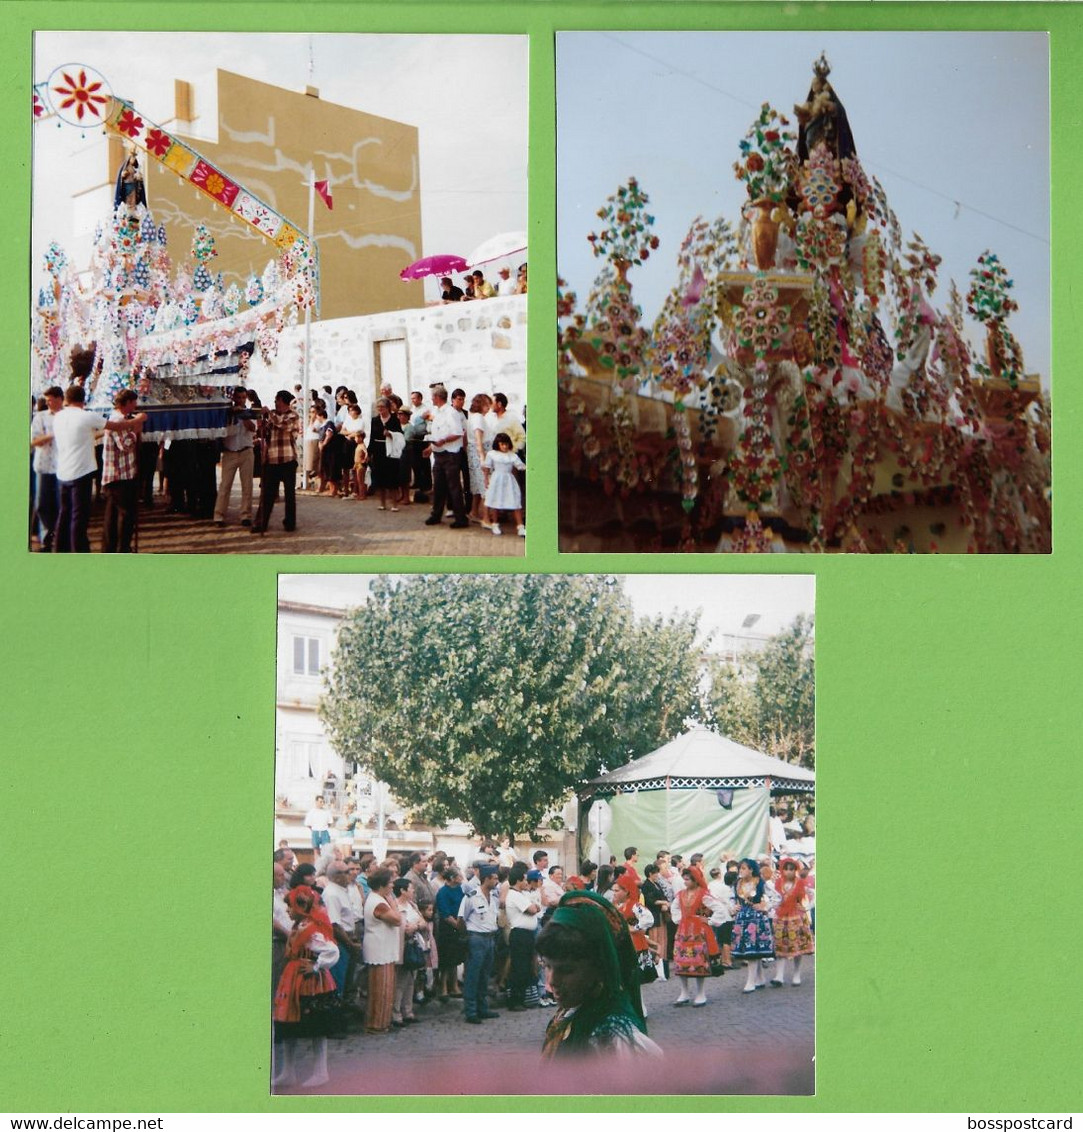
<point x="120" y="477"/>
<point x="281" y="430"/>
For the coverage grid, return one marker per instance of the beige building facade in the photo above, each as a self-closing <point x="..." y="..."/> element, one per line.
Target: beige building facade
<point x="268" y="140"/>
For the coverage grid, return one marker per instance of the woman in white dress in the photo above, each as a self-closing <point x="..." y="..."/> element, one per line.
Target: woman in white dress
<point x="478" y="443"/>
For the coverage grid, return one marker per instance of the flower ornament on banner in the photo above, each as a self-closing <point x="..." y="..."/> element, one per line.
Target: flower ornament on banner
<point x="78" y="95"/>
<point x="130" y="124"/>
<point x="158" y="143"/>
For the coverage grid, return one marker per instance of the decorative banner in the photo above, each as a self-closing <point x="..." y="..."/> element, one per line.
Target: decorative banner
<point x="123" y="120"/>
<point x="80" y="96"/>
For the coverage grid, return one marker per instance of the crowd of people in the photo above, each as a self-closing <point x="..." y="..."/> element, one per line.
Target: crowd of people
<point x="465" y="462"/>
<point x="476" y="286"/>
<point x="470" y="464"/>
<point x="356" y="938"/>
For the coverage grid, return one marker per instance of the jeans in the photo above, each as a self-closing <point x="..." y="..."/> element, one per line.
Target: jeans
<point x="46" y="508"/>
<point x="121" y="505"/>
<point x="273" y="475"/>
<point x="73" y="520"/>
<point x="480" y="947"/>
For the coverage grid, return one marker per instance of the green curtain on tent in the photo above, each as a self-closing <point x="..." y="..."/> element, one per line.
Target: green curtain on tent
<point x="688" y="820"/>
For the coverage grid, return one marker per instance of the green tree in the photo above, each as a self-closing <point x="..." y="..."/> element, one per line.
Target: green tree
<point x="768" y="700"/>
<point x="486" y="698"/>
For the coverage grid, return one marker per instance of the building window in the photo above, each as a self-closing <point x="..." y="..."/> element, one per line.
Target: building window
<point x="306" y="656"/>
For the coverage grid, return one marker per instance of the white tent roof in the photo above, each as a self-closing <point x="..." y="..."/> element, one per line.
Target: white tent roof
<point x="704" y="754"/>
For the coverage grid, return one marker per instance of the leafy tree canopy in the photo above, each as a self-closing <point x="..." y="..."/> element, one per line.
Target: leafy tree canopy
<point x="486" y="698"/>
<point x="768" y="700"/>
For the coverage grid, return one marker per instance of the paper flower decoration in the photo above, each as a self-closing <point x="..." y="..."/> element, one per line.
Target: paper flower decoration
<point x="767" y="161"/>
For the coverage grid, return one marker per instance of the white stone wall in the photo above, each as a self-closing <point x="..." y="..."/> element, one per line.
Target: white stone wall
<point x="479" y="346"/>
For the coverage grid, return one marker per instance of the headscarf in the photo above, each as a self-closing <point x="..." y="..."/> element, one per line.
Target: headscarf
<point x="606" y="930"/>
<point x="630" y="883"/>
<point x="791" y="898"/>
<point x="692" y="902"/>
<point x="307" y="902"/>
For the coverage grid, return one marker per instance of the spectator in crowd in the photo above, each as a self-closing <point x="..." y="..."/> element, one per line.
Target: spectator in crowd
<point x="282" y="428"/>
<point x="74" y="430"/>
<point x="46" y="489"/>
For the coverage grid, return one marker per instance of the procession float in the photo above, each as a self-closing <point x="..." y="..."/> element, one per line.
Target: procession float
<point x="799" y="391"/>
<point x="128" y="318"/>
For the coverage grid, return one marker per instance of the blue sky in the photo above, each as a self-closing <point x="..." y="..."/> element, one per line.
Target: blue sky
<point x="954" y="125"/>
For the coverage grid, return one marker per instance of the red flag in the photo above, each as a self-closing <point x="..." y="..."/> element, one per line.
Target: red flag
<point x="324" y="189"/>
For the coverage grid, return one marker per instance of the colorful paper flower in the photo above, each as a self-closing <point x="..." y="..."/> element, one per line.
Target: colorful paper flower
<point x="130" y="123"/>
<point x="83" y="95"/>
<point x="158" y="142"/>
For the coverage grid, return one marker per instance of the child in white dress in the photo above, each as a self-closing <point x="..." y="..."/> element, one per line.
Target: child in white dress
<point x="503" y="492"/>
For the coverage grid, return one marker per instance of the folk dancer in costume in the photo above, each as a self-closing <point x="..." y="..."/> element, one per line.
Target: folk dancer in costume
<point x="694" y="945"/>
<point x="306" y="979"/>
<point x="753" y="936"/>
<point x="592" y="969"/>
<point x="793" y="931"/>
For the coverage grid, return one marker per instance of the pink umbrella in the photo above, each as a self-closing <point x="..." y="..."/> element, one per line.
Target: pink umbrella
<point x="433" y="265"/>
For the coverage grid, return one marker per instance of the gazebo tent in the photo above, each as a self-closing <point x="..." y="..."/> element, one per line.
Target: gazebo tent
<point x="699" y="792"/>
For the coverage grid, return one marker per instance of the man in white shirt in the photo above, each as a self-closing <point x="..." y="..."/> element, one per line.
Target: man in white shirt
<point x="318" y="820"/>
<point x="446" y="434"/>
<point x="342" y="912"/>
<point x="238" y="456"/>
<point x="505" y="285"/>
<point x="522" y="907"/>
<point x="46" y="491"/>
<point x="74" y="431"/>
<point x="552" y="888"/>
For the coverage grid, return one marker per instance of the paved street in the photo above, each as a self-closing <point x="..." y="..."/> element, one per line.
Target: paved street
<point x="324" y="526"/>
<point x="738" y="1043"/>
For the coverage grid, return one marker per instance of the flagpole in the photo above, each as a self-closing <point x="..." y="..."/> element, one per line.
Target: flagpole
<point x="308" y="328"/>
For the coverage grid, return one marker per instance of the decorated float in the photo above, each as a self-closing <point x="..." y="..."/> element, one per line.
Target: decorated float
<point x="180" y="336"/>
<point x="798" y="391"/>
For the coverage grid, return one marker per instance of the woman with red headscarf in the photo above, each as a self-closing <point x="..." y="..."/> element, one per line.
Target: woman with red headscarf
<point x="793" y="931"/>
<point x="695" y="943"/>
<point x="639" y="921"/>
<point x="304" y="1000"/>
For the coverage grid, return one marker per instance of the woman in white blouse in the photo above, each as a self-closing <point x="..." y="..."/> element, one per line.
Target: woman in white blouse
<point x="381" y="950"/>
<point x="413" y="925"/>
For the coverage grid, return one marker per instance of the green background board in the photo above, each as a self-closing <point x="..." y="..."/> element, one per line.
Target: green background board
<point x="686" y="821"/>
<point x="138" y="723"/>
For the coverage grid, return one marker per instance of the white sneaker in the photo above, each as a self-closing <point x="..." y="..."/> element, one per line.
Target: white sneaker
<point x="495" y="528"/>
<point x="521" y="532"/>
<point x="795" y="981"/>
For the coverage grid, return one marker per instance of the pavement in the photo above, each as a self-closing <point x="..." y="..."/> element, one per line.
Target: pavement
<point x="325" y="525"/>
<point x="751" y="1044"/>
